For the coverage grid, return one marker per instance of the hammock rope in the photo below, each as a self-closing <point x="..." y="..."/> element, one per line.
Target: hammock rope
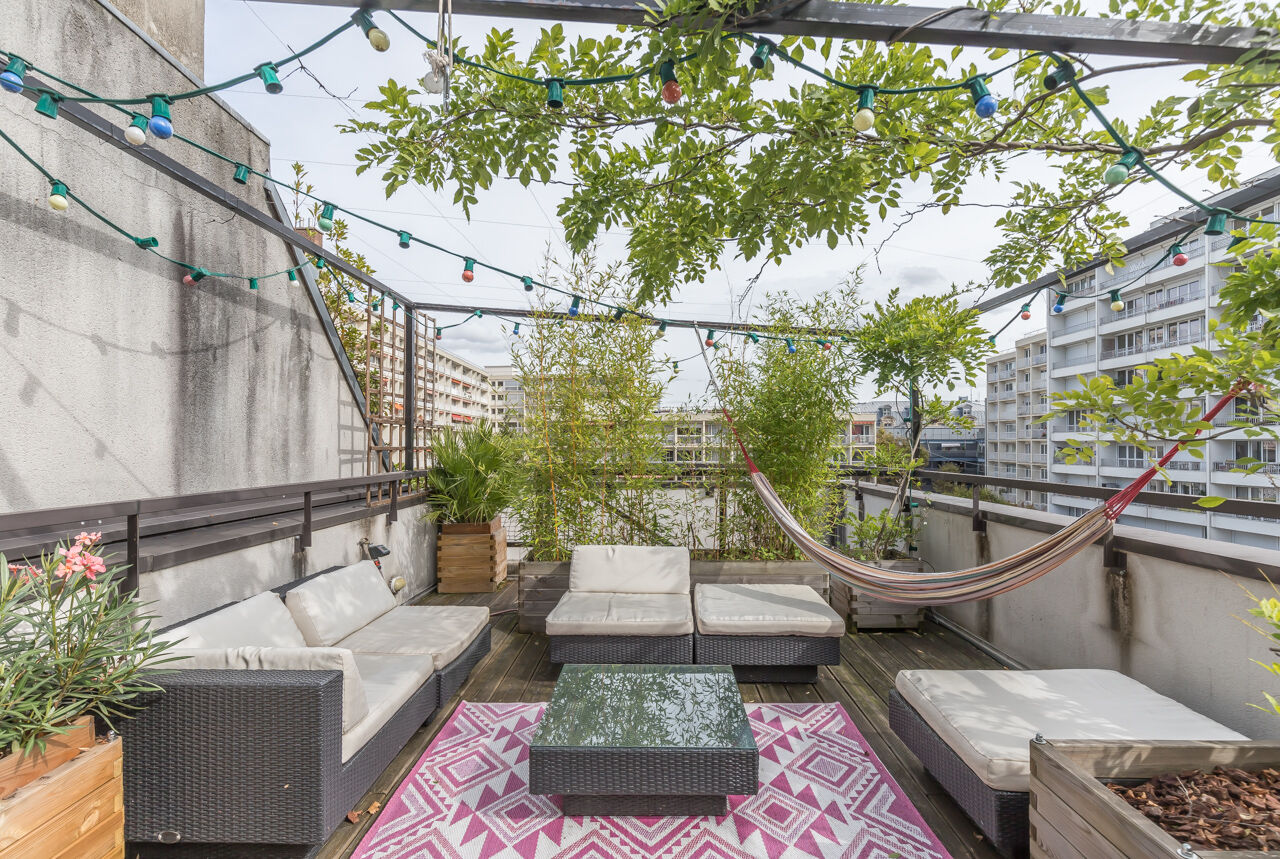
<point x="977" y="583"/>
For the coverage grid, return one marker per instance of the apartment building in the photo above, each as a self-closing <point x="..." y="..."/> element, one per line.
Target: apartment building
<point x="1165" y="311"/>
<point x="1017" y="397"/>
<point x="697" y="438"/>
<point x="462" y="394"/>
<point x="507" y="404"/>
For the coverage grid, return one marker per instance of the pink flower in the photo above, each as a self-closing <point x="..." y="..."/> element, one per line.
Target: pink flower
<point x="88" y="538"/>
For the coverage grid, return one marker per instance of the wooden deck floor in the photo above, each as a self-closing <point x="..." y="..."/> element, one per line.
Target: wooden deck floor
<point x="517" y="670"/>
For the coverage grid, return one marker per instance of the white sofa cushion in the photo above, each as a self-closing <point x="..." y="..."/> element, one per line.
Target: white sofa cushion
<point x="441" y="632"/>
<point x="764" y="609"/>
<point x="389" y="681"/>
<point x="630" y="569"/>
<point x="989" y="717"/>
<point x="621" y="614"/>
<point x="330" y="607"/>
<point x="355" y="705"/>
<point x="261" y="621"/>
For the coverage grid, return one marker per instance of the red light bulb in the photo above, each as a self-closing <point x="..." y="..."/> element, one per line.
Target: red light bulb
<point x="671" y="94"/>
<point x="826" y="347"/>
<point x="1180" y="259"/>
<point x="709" y="342"/>
<point x="187" y="280"/>
<point x="1026" y="314"/>
<point x="468" y="276"/>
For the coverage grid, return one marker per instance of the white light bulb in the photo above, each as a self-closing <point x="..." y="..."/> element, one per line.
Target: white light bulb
<point x="135" y="135"/>
<point x="864" y="119"/>
<point x="58" y="202"/>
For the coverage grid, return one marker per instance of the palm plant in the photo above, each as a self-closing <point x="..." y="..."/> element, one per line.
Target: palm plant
<point x="471" y="479"/>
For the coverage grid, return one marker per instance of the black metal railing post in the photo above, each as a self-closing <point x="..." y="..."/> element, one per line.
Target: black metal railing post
<point x="395" y="501"/>
<point x="304" y="539"/>
<point x="410" y="387"/>
<point x="132" y="551"/>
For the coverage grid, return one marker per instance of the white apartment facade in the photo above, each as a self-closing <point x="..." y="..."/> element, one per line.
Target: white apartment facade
<point x="507" y="404"/>
<point x="1017" y="397"/>
<point x="698" y="438"/>
<point x="1166" y="311"/>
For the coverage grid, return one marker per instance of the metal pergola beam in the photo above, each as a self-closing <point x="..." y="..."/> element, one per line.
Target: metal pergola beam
<point x="928" y="25"/>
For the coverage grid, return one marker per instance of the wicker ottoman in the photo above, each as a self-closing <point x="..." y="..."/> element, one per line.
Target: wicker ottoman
<point x="622" y="740"/>
<point x="768" y="633"/>
<point x="972" y="730"/>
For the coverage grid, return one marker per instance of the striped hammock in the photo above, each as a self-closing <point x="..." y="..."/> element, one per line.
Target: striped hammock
<point x="978" y="583"/>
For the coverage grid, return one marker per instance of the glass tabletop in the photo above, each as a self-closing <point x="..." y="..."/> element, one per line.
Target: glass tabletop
<point x="645" y="706"/>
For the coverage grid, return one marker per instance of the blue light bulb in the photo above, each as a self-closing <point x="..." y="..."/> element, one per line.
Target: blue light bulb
<point x="986" y="106"/>
<point x="160" y="127"/>
<point x="1058" y="308"/>
<point x="11" y="81"/>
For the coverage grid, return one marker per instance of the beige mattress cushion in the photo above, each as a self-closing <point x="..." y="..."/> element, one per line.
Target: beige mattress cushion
<point x="764" y="610"/>
<point x="261" y="621"/>
<point x="355" y="705"/>
<point x="989" y="717"/>
<point x="630" y="569"/>
<point x="330" y="607"/>
<point x="621" y="614"/>
<point x="389" y="680"/>
<point x="441" y="632"/>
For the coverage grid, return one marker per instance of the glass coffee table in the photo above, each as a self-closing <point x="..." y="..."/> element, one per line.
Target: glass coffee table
<point x="644" y="740"/>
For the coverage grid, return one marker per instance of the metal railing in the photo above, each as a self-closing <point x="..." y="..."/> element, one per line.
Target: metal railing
<point x="1079" y="325"/>
<point x="1120" y="351"/>
<point x="1038" y="360"/>
<point x="28" y="534"/>
<point x="1258" y="468"/>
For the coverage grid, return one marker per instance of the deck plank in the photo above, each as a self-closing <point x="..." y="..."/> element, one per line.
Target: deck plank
<point x="517" y="669"/>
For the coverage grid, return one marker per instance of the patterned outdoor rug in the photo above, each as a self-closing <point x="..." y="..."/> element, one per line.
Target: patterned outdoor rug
<point x="823" y="793"/>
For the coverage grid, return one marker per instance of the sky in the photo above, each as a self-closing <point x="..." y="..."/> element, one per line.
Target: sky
<point x="515" y="227"/>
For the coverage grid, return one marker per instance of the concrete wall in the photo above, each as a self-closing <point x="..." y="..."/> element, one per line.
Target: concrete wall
<point x="1174" y="627"/>
<point x="118" y="382"/>
<point x="178" y="25"/>
<point x="179" y="592"/>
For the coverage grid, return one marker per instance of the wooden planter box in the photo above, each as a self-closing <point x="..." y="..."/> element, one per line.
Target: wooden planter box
<point x="1075" y="816"/>
<point x="542" y="583"/>
<point x="863" y="611"/>
<point x="471" y="558"/>
<point x="72" y="809"/>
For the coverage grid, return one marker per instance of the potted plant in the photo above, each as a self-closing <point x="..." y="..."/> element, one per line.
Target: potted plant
<point x="75" y="652"/>
<point x="468" y="488"/>
<point x="906" y="348"/>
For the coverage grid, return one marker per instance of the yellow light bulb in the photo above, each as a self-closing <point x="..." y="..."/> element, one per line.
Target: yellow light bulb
<point x="864" y="119"/>
<point x="379" y="39"/>
<point x="58" y="202"/>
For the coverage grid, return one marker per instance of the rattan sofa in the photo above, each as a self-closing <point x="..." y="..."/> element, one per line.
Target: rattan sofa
<point x="284" y="711"/>
<point x="769" y="633"/>
<point x="972" y="731"/>
<point x="625" y="605"/>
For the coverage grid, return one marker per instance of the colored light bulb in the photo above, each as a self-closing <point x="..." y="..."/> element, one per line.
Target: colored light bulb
<point x="516" y="328"/>
<point x="136" y="133"/>
<point x="791" y="346"/>
<point x="194" y="276"/>
<point x="270" y="78"/>
<point x="378" y="38"/>
<point x="161" y="125"/>
<point x="984" y="103"/>
<point x="468" y="270"/>
<point x="1026" y="312"/>
<point x="439" y="335"/>
<point x="1179" y="255"/>
<point x="573" y="307"/>
<point x="1117" y="303"/>
<point x="826" y="345"/>
<point x="325" y="221"/>
<point x="11" y="77"/>
<point x="711" y="337"/>
<point x="58" y="197"/>
<point x="671" y="92"/>
<point x="1119" y="171"/>
<point x="1060" y="304"/>
<point x="865" y="118"/>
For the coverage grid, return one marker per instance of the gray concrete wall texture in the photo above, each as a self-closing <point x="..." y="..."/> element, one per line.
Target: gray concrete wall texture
<point x="180" y="592"/>
<point x="1177" y="628"/>
<point x="119" y="382"/>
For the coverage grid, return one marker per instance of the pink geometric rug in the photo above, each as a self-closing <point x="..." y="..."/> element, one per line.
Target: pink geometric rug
<point x="823" y="793"/>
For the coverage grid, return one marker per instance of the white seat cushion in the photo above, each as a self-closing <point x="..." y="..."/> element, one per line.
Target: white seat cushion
<point x="389" y="680"/>
<point x="330" y="607"/>
<point x="764" y="610"/>
<point x="989" y="717"/>
<point x="355" y="705"/>
<point x="630" y="570"/>
<point x="261" y="621"/>
<point x="621" y="614"/>
<point x="442" y="632"/>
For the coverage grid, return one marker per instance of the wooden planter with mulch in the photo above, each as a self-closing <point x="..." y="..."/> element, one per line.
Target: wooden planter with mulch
<point x="471" y="558"/>
<point x="863" y="611"/>
<point x="1075" y="816"/>
<point x="67" y="803"/>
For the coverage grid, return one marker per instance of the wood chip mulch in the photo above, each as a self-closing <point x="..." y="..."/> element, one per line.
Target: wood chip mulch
<point x="1227" y="809"/>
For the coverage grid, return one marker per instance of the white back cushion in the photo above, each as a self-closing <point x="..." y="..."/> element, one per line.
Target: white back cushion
<point x="355" y="705"/>
<point x="330" y="607"/>
<point x="261" y="621"/>
<point x="630" y="569"/>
